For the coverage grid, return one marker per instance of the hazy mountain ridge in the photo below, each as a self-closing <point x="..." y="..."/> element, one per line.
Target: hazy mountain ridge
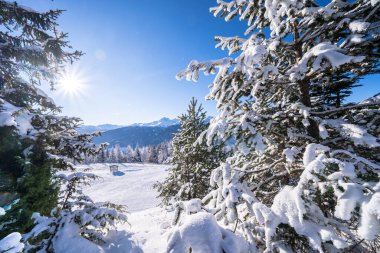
<point x="163" y="122"/>
<point x="137" y="135"/>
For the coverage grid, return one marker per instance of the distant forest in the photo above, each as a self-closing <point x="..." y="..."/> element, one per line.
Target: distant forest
<point x="149" y="154"/>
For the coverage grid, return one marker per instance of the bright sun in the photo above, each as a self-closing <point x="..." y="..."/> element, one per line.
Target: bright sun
<point x="71" y="83"/>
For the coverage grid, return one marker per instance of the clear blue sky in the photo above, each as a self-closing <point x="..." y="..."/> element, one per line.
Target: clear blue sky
<point x="133" y="50"/>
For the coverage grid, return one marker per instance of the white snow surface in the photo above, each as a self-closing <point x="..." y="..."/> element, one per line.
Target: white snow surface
<point x="132" y="186"/>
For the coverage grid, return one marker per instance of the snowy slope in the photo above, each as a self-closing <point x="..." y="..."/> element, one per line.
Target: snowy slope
<point x="133" y="186"/>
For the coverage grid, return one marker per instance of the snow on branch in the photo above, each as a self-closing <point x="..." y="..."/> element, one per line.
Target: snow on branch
<point x="191" y="73"/>
<point x="233" y="44"/>
<point x="345" y="108"/>
<point x="314" y="60"/>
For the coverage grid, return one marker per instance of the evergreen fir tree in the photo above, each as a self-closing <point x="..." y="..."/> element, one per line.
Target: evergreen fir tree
<point x="129" y="154"/>
<point x="304" y="174"/>
<point x="152" y="154"/>
<point x="137" y="155"/>
<point x="192" y="160"/>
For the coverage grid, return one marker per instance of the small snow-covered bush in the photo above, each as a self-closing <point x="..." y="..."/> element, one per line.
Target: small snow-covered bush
<point x="78" y="222"/>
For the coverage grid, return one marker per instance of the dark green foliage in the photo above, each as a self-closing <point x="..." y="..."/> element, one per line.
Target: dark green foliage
<point x="10" y="148"/>
<point x="289" y="236"/>
<point x="326" y="201"/>
<point x="36" y="189"/>
<point x="334" y="90"/>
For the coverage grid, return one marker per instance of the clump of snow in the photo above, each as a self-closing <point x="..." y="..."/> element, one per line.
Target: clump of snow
<point x="290" y="154"/>
<point x="69" y="241"/>
<point x="369" y="227"/>
<point x="11" y="115"/>
<point x="348" y="200"/>
<point x="312" y="151"/>
<point x="323" y="131"/>
<point x="323" y="51"/>
<point x="201" y="233"/>
<point x="192" y="70"/>
<point x="358" y="26"/>
<point x="193" y="206"/>
<point x="11" y="243"/>
<point x="6" y="119"/>
<point x="359" y="135"/>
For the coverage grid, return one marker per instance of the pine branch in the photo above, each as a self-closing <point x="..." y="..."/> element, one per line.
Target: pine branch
<point x="342" y="109"/>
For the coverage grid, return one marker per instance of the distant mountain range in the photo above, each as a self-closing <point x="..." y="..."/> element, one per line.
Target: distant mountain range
<point x="163" y="122"/>
<point x="138" y="134"/>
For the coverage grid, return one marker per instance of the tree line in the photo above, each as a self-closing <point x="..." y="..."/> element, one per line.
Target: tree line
<point x="150" y="154"/>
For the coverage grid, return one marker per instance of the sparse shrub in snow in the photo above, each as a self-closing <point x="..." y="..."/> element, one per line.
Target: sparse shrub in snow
<point x="77" y="223"/>
<point x="304" y="176"/>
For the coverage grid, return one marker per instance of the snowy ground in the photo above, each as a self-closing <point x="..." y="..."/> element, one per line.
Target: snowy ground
<point x="133" y="186"/>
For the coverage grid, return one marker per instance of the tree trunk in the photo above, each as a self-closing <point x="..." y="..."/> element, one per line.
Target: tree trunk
<point x="303" y="86"/>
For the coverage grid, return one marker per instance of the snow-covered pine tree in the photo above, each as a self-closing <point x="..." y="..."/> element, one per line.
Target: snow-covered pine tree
<point x="129" y="154"/>
<point x="305" y="174"/>
<point x="34" y="52"/>
<point x="152" y="154"/>
<point x="192" y="159"/>
<point x="163" y="152"/>
<point x="137" y="155"/>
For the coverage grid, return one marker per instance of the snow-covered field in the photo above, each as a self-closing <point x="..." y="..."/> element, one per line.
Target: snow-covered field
<point x="132" y="186"/>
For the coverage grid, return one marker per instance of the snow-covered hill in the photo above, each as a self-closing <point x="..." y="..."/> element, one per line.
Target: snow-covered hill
<point x="133" y="186"/>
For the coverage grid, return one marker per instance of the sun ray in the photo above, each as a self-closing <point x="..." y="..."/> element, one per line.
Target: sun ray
<point x="72" y="82"/>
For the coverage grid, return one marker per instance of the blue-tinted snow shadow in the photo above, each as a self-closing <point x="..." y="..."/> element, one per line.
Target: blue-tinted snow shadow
<point x="118" y="173"/>
<point x="121" y="242"/>
<point x="134" y="170"/>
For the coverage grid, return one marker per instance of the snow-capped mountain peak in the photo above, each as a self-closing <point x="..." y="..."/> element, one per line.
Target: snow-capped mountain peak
<point x="163" y="122"/>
